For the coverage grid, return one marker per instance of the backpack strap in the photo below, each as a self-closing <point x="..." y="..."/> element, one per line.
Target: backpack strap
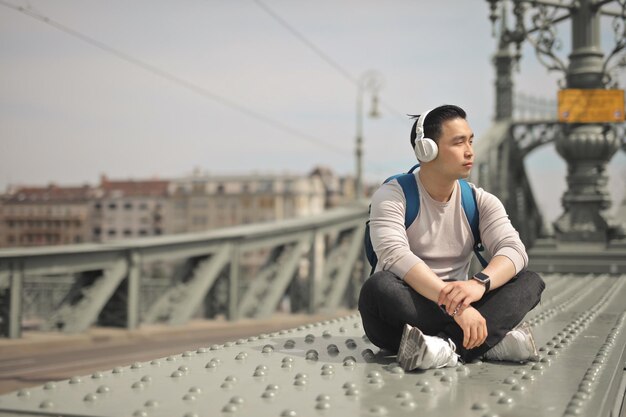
<point x="470" y="207"/>
<point x="411" y="195"/>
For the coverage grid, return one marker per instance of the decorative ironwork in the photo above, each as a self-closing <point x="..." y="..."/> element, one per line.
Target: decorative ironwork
<point x="535" y="22"/>
<point x="611" y="66"/>
<point x="529" y="136"/>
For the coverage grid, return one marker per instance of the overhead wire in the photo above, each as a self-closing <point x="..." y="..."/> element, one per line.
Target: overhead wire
<point x="175" y="79"/>
<point x="324" y="56"/>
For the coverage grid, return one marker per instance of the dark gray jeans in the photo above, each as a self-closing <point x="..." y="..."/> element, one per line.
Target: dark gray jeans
<point x="386" y="303"/>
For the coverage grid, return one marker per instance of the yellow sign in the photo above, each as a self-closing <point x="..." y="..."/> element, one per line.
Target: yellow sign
<point x="591" y="106"/>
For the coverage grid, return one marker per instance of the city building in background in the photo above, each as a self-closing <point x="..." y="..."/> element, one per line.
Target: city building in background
<point x="125" y="209"/>
<point x="39" y="216"/>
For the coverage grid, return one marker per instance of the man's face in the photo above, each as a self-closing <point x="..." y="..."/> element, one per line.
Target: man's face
<point x="456" y="155"/>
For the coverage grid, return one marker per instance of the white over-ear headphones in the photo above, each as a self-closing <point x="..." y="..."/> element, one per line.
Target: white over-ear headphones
<point x="425" y="148"/>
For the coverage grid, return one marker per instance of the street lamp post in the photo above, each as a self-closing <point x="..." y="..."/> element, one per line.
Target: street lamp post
<point x="370" y="82"/>
<point x="587" y="148"/>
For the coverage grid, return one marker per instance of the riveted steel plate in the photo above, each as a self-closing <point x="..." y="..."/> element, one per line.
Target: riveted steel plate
<point x="331" y="369"/>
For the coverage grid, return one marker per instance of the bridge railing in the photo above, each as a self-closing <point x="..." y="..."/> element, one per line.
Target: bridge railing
<point x="310" y="264"/>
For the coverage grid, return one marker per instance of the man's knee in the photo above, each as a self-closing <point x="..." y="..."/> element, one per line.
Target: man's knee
<point x="376" y="287"/>
<point x="533" y="283"/>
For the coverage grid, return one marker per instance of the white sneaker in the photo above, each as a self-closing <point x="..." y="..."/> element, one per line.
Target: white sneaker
<point x="518" y="345"/>
<point x="420" y="351"/>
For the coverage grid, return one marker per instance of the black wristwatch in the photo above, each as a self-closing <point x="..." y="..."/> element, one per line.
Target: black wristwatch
<point x="484" y="280"/>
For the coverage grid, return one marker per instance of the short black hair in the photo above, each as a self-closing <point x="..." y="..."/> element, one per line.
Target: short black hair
<point x="435" y="118"/>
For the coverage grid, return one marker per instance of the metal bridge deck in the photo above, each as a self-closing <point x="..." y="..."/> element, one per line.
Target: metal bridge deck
<point x="331" y="369"/>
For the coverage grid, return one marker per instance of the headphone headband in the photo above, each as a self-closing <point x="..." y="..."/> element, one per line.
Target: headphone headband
<point x="419" y="126"/>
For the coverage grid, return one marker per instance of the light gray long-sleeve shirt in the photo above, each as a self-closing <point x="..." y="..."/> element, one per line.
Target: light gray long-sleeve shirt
<point x="441" y="235"/>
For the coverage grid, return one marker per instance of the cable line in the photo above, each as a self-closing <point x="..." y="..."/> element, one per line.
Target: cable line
<point x="176" y="80"/>
<point x="324" y="56"/>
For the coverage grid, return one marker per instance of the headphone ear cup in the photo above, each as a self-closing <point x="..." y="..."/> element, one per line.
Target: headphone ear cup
<point x="426" y="150"/>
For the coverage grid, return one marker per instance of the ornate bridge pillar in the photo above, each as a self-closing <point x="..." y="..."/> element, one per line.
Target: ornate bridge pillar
<point x="587" y="148"/>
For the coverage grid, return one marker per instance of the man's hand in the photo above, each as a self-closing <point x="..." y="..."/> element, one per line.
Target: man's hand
<point x="458" y="295"/>
<point x="474" y="327"/>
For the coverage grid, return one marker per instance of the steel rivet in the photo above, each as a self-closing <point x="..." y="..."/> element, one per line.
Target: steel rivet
<point x="288" y="413"/>
<point x="137" y="385"/>
<point x="151" y="404"/>
<point x="268" y="349"/>
<point x="505" y="400"/>
<point x="480" y="406"/>
<point x="97" y="375"/>
<point x="75" y="380"/>
<point x="46" y="404"/>
<point x="49" y="386"/>
<point x="409" y="404"/>
<point x="378" y="410"/>
<point x="103" y="389"/>
<point x="229" y="408"/>
<point x="322" y="405"/>
<point x="397" y="370"/>
<point x="23" y="393"/>
<point x="510" y="380"/>
<point x="177" y="374"/>
<point x="312" y="355"/>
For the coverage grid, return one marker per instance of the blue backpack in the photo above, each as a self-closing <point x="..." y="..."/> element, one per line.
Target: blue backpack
<point x="411" y="194"/>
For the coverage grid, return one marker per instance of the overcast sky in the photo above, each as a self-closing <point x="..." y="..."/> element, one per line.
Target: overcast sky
<point x="71" y="111"/>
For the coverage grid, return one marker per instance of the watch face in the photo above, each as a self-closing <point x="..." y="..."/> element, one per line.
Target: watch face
<point x="481" y="277"/>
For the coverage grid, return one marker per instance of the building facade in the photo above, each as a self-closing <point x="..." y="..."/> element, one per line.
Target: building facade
<point x="40" y="216"/>
<point x="128" y="209"/>
<point x="202" y="202"/>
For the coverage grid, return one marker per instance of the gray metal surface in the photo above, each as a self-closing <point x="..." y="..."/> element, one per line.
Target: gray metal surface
<point x="331" y="369"/>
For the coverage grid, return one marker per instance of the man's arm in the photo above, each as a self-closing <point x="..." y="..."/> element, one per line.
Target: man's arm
<point x="501" y="239"/>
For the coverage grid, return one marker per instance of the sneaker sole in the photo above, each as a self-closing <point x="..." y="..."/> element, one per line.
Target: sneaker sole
<point x="412" y="348"/>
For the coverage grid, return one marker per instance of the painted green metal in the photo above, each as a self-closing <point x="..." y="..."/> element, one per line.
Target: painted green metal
<point x="331" y="369"/>
<point x="78" y="316"/>
<point x="108" y="276"/>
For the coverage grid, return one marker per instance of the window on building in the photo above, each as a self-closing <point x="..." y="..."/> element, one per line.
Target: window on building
<point x="97" y="231"/>
<point x="11" y="239"/>
<point x="97" y="206"/>
<point x="78" y="239"/>
<point x="220" y="188"/>
<point x="112" y="206"/>
<point x="112" y="232"/>
<point x="128" y="232"/>
<point x="143" y="206"/>
<point x="128" y="206"/>
<point x="157" y="231"/>
<point x="143" y="232"/>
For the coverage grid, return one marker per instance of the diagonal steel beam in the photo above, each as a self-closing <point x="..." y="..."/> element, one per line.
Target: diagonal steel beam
<point x="263" y="296"/>
<point x="191" y="293"/>
<point x="340" y="282"/>
<point x="77" y="317"/>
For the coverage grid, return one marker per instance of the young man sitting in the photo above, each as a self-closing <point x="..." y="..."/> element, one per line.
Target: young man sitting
<point x="420" y="301"/>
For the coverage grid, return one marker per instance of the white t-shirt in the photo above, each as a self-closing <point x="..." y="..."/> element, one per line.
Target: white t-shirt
<point x="441" y="235"/>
